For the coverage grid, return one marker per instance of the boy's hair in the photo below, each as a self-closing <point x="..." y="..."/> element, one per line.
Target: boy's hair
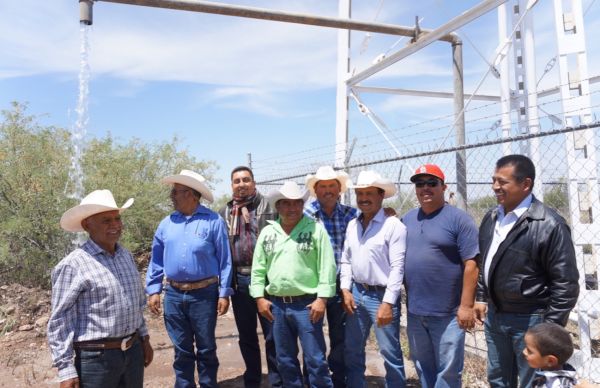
<point x="552" y="339"/>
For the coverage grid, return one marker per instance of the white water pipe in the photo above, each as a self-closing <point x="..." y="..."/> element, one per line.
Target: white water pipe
<point x="85" y="12"/>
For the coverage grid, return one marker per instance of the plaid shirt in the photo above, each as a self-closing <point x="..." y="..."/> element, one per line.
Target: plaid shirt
<point x="335" y="226"/>
<point x="94" y="296"/>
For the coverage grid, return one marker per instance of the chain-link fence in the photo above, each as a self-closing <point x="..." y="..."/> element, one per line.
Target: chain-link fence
<point x="559" y="183"/>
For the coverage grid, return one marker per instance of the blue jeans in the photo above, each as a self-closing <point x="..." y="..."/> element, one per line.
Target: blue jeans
<point x="292" y="322"/>
<point x="505" y="333"/>
<point x="245" y="312"/>
<point x="437" y="346"/>
<point x="358" y="326"/>
<point x="111" y="368"/>
<point x="336" y="323"/>
<point x="191" y="317"/>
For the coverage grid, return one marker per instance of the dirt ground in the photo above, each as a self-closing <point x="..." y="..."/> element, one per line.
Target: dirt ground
<point x="25" y="358"/>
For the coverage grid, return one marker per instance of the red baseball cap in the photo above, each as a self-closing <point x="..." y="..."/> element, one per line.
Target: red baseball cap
<point x="428" y="169"/>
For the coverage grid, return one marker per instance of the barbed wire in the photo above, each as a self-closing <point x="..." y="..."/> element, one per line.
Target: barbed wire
<point x="517" y="138"/>
<point x="371" y="148"/>
<point x="394" y="131"/>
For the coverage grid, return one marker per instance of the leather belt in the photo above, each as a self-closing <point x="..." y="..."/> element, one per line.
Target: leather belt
<point x="293" y="299"/>
<point x="109" y="343"/>
<point x="372" y="288"/>
<point x="244" y="270"/>
<point x="193" y="285"/>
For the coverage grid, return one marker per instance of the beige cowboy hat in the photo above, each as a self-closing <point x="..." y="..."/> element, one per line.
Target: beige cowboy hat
<point x="192" y="180"/>
<point x="97" y="201"/>
<point x="289" y="190"/>
<point x="371" y="178"/>
<point x="325" y="173"/>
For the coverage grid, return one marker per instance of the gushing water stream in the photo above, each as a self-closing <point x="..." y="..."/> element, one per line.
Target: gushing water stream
<point x="79" y="131"/>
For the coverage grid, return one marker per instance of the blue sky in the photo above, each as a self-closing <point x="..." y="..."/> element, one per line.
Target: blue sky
<point x="228" y="86"/>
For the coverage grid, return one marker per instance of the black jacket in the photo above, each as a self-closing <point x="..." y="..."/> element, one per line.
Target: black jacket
<point x="534" y="269"/>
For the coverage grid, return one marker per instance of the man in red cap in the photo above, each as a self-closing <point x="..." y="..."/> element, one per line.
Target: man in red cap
<point x="440" y="278"/>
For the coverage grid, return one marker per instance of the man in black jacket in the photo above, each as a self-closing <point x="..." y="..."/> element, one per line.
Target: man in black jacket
<point x="246" y="214"/>
<point x="528" y="270"/>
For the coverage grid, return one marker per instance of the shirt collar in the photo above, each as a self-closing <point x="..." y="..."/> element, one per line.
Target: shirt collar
<point x="379" y="216"/>
<point x="277" y="224"/>
<point x="199" y="210"/>
<point x="519" y="210"/>
<point x="94" y="249"/>
<point x="316" y="207"/>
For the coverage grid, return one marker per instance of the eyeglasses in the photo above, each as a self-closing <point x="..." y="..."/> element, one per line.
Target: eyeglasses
<point x="175" y="191"/>
<point x="428" y="183"/>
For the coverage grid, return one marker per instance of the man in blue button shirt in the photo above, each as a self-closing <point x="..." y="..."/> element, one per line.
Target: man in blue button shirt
<point x="191" y="249"/>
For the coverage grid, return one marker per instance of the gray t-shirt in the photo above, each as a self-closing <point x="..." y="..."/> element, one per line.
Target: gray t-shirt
<point x="436" y="246"/>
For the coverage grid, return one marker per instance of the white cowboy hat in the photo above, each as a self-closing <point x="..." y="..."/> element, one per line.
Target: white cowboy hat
<point x="289" y="190"/>
<point x="325" y="173"/>
<point x="373" y="179"/>
<point x="192" y="180"/>
<point x="97" y="201"/>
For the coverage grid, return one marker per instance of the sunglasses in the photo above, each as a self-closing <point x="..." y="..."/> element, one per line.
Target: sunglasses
<point x="428" y="183"/>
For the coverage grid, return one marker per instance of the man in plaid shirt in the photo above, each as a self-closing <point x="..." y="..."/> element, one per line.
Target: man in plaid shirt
<point x="96" y="332"/>
<point x="327" y="185"/>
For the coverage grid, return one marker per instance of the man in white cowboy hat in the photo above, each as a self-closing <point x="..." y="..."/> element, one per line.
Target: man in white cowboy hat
<point x="440" y="277"/>
<point x="293" y="274"/>
<point x="96" y="332"/>
<point x="326" y="185"/>
<point x="371" y="278"/>
<point x="246" y="215"/>
<point x="191" y="250"/>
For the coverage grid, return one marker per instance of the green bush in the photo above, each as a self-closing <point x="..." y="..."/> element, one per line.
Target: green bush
<point x="34" y="190"/>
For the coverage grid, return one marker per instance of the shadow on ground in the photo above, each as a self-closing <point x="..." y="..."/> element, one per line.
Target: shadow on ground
<point x="372" y="382"/>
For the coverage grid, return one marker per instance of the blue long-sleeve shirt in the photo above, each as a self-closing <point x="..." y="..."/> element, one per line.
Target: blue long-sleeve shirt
<point x="190" y="248"/>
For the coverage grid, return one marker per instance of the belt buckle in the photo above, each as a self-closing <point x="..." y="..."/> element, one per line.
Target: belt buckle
<point x="366" y="286"/>
<point x="124" y="346"/>
<point x="287" y="299"/>
<point x="184" y="286"/>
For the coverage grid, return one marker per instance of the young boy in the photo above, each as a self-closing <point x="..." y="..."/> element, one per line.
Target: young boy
<point x="548" y="346"/>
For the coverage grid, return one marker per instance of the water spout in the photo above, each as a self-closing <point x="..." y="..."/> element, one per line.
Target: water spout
<point x="78" y="132"/>
<point x="85" y="12"/>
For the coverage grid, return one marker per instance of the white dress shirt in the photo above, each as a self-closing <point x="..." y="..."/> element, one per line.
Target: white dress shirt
<point x="504" y="223"/>
<point x="375" y="256"/>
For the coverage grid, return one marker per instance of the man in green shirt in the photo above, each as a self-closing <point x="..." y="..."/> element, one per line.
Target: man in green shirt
<point x="295" y="255"/>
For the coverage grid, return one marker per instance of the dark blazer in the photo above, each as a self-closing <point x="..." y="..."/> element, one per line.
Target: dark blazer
<point x="534" y="269"/>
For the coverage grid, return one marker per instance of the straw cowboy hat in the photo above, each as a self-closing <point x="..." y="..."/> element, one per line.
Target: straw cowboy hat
<point x="325" y="173"/>
<point x="373" y="179"/>
<point x="97" y="201"/>
<point x="192" y="180"/>
<point x="289" y="190"/>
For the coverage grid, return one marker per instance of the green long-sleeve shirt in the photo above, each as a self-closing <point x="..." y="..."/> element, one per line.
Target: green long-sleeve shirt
<point x="295" y="264"/>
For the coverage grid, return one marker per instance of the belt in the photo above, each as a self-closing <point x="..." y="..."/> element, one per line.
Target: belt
<point x="372" y="288"/>
<point x="244" y="270"/>
<point x="293" y="299"/>
<point x="193" y="285"/>
<point x="108" y="343"/>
